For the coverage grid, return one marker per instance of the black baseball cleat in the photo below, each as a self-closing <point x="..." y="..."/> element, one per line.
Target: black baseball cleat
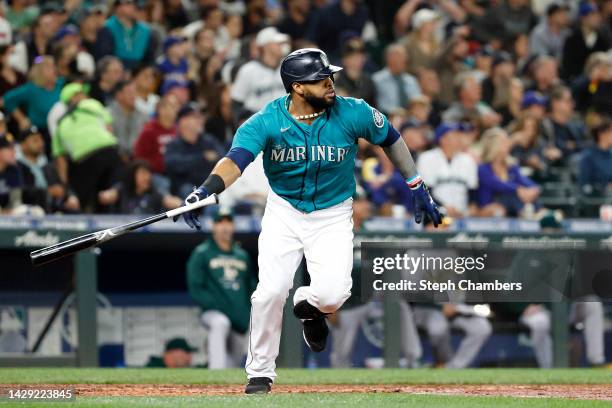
<point x="259" y="385"/>
<point x="315" y="333"/>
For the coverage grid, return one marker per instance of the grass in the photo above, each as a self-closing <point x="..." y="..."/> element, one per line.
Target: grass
<point x="302" y="376"/>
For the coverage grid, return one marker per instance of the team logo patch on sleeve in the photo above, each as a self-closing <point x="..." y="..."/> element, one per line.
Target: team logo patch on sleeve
<point x="379" y="119"/>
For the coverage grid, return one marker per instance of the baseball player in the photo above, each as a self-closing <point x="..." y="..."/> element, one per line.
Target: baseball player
<point x="309" y="142"/>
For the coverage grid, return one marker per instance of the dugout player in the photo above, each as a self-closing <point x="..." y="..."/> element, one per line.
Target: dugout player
<point x="220" y="281"/>
<point x="309" y="142"/>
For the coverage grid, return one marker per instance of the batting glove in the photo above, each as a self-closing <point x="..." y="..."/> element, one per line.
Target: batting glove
<point x="192" y="218"/>
<point x="423" y="202"/>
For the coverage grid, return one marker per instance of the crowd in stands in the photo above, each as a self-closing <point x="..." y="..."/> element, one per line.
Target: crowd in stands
<point x="123" y="106"/>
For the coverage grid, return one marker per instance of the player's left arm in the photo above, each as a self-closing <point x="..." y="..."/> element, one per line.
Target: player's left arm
<point x="375" y="128"/>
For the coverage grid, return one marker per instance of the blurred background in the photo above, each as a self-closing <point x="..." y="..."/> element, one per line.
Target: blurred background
<point x="111" y="110"/>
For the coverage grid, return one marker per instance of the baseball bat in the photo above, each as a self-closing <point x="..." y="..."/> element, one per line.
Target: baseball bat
<point x="57" y="251"/>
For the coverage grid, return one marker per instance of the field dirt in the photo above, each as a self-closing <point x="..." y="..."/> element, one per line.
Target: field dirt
<point x="569" y="391"/>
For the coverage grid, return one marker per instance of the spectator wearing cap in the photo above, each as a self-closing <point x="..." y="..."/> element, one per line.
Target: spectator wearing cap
<point x="9" y="77"/>
<point x="585" y="39"/>
<point x="173" y="64"/>
<point x="85" y="151"/>
<point x="330" y="21"/>
<point x="136" y="193"/>
<point x="31" y="102"/>
<point x="220" y="280"/>
<point x="496" y="87"/>
<point x="450" y="173"/>
<point x="564" y="133"/>
<point x="109" y="72"/>
<point x="128" y="119"/>
<point x="429" y="82"/>
<point x="469" y="106"/>
<point x="394" y="86"/>
<point x="191" y="154"/>
<point x="133" y="42"/>
<point x="595" y="175"/>
<point x="157" y="133"/>
<point x="258" y="81"/>
<point x="297" y="19"/>
<point x="502" y="189"/>
<point x="534" y="104"/>
<point x="72" y="59"/>
<point x="548" y="36"/>
<point x="11" y="180"/>
<point x="73" y="90"/>
<point x="41" y="184"/>
<point x="179" y="89"/>
<point x="422" y="45"/>
<point x="545" y="74"/>
<point x="352" y="80"/>
<point x="145" y="81"/>
<point x="96" y="39"/>
<point x="177" y="354"/>
<point x="593" y="90"/>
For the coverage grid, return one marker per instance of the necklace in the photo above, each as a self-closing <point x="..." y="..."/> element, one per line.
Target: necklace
<point x="310" y="116"/>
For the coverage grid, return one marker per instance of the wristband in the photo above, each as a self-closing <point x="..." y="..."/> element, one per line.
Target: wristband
<point x="214" y="184"/>
<point x="414" y="182"/>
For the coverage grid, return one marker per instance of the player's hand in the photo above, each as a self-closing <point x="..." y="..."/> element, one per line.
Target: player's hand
<point x="192" y="218"/>
<point x="424" y="203"/>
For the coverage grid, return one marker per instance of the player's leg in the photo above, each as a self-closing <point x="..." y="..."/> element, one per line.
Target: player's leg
<point x="538" y="323"/>
<point x="219" y="327"/>
<point x="280" y="253"/>
<point x="438" y="331"/>
<point x="590" y="313"/>
<point x="344" y="333"/>
<point x="411" y="344"/>
<point x="237" y="348"/>
<point x="476" y="331"/>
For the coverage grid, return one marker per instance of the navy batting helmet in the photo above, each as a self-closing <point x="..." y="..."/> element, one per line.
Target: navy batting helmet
<point x="305" y="65"/>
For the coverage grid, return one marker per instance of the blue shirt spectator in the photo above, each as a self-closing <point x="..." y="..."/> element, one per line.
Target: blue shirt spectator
<point x="596" y="163"/>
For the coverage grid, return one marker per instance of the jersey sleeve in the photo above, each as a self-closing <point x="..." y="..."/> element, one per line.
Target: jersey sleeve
<point x="251" y="135"/>
<point x="371" y="124"/>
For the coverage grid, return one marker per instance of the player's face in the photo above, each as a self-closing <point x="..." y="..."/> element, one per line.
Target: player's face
<point x="320" y="94"/>
<point x="223" y="230"/>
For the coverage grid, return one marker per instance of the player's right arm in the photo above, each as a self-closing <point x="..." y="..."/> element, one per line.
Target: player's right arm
<point x="250" y="139"/>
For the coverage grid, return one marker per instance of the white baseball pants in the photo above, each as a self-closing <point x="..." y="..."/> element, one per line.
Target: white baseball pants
<point x="325" y="238"/>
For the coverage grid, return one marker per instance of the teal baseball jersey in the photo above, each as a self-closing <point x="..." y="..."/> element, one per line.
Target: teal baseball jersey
<point x="311" y="166"/>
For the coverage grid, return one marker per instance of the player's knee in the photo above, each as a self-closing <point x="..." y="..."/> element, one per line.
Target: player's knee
<point x="330" y="302"/>
<point x="480" y="328"/>
<point x="218" y="322"/>
<point x="265" y="296"/>
<point x="438" y="330"/>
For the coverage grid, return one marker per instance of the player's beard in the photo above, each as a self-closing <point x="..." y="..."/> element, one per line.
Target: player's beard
<point x="319" y="103"/>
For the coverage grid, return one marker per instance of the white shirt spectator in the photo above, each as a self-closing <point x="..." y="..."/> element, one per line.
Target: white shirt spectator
<point x="257" y="84"/>
<point x="450" y="180"/>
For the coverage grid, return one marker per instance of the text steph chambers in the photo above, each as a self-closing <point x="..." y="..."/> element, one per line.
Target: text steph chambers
<point x="464" y="284"/>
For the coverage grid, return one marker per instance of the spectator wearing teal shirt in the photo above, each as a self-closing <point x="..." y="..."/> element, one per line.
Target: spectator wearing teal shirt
<point x="31" y="102"/>
<point x="132" y="39"/>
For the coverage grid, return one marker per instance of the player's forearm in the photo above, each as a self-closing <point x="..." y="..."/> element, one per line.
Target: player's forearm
<point x="223" y="175"/>
<point x="400" y="156"/>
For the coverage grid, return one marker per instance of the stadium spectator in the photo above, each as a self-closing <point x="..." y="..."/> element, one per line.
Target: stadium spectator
<point x="595" y="176"/>
<point x="297" y="19"/>
<point x="174" y="13"/>
<point x="136" y="194"/>
<point x="561" y="128"/>
<point x="508" y="19"/>
<point x="330" y="21"/>
<point x="258" y="81"/>
<point x="95" y="38"/>
<point x="31" y="102"/>
<point x="220" y="280"/>
<point x="496" y="86"/>
<point x="394" y="86"/>
<point x="9" y="77"/>
<point x="469" y="106"/>
<point x="534" y="104"/>
<point x="155" y="135"/>
<point x="177" y="354"/>
<point x="133" y="42"/>
<point x="35" y="44"/>
<point x="422" y="45"/>
<point x="545" y="72"/>
<point x="128" y="119"/>
<point x="450" y="63"/>
<point x="502" y="189"/>
<point x="352" y="80"/>
<point x="21" y="14"/>
<point x="109" y="71"/>
<point x="219" y="122"/>
<point x="85" y="151"/>
<point x="191" y="154"/>
<point x="72" y="59"/>
<point x="11" y="181"/>
<point x="586" y="38"/>
<point x="145" y="82"/>
<point x="592" y="91"/>
<point x="430" y="86"/>
<point x="173" y="64"/>
<point x="548" y="36"/>
<point x="450" y="173"/>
